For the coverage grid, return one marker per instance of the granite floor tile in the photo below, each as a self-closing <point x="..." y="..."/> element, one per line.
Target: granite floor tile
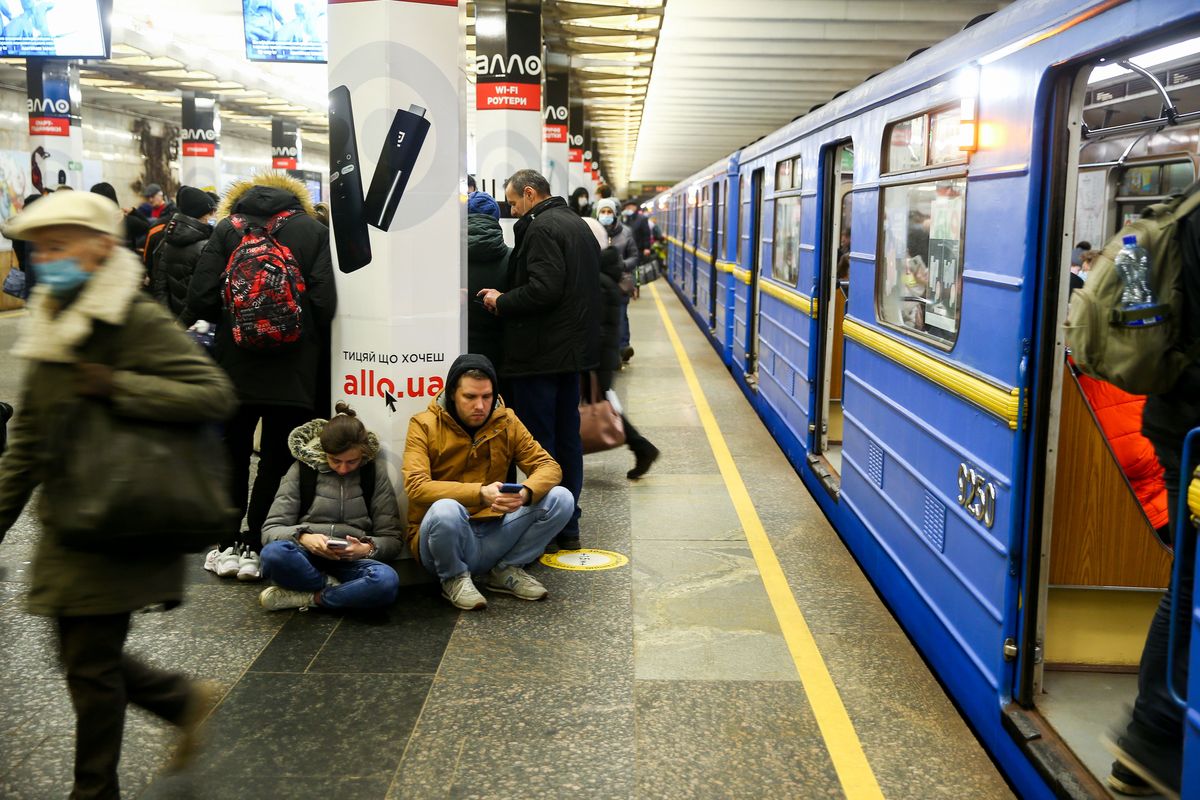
<point x="681" y="450"/>
<point x="729" y="739"/>
<point x="240" y="787"/>
<point x="701" y="613"/>
<point x="696" y="512"/>
<point x="297" y="643"/>
<point x="497" y="738"/>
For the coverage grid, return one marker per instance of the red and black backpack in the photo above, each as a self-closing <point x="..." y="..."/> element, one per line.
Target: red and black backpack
<point x="263" y="286"/>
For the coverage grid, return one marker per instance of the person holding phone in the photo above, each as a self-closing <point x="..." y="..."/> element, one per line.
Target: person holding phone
<point x="463" y="518"/>
<point x="334" y="523"/>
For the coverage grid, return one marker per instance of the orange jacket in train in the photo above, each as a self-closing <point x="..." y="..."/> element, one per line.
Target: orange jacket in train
<point x="1120" y="416"/>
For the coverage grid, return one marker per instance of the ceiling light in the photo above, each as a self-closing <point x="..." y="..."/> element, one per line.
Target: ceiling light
<point x="195" y="75"/>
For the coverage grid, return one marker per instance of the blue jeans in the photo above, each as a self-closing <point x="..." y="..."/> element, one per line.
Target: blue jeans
<point x="452" y="543"/>
<point x="364" y="583"/>
<point x="548" y="405"/>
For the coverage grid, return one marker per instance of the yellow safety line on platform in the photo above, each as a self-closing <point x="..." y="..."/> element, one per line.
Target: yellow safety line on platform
<point x="841" y="740"/>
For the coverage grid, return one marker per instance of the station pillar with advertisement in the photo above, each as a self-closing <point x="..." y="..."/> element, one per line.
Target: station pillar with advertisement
<point x="555" y="151"/>
<point x="200" y="151"/>
<point x="576" y="175"/>
<point x="508" y="90"/>
<point x="397" y="194"/>
<point x="285" y="146"/>
<point x="55" y="126"/>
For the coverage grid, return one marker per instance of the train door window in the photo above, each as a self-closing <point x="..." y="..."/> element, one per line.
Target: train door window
<point x="705" y="218"/>
<point x="907" y="145"/>
<point x="1145" y="184"/>
<point x="715" y="240"/>
<point x="721" y="203"/>
<point x="756" y="262"/>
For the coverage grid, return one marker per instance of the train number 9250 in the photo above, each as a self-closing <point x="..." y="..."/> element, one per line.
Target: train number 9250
<point x="977" y="495"/>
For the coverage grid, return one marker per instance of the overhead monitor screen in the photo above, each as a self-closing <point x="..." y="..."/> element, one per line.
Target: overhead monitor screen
<point x="285" y="30"/>
<point x="51" y="28"/>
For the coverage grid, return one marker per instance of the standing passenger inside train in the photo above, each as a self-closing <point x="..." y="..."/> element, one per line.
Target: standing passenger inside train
<point x="335" y="524"/>
<point x="1150" y="746"/>
<point x="551" y="318"/>
<point x="276" y="382"/>
<point x="463" y="519"/>
<point x="92" y="336"/>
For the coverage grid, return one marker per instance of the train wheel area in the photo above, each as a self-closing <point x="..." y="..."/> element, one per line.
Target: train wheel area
<point x="739" y="653"/>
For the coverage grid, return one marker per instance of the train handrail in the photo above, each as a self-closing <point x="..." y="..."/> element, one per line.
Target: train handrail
<point x="1184" y="523"/>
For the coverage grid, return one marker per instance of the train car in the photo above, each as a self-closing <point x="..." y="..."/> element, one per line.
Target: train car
<point x="888" y="282"/>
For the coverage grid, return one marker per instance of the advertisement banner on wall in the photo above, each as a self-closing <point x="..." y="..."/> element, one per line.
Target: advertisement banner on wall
<point x="575" y="149"/>
<point x="285" y="144"/>
<point x="555" y="150"/>
<point x="55" y="128"/>
<point x="200" y="150"/>
<point x="15" y="186"/>
<point x="397" y="199"/>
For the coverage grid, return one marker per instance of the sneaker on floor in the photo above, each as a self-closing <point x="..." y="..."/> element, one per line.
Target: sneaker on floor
<point x="569" y="543"/>
<point x="517" y="582"/>
<point x="205" y="695"/>
<point x="645" y="455"/>
<point x="210" y="560"/>
<point x="277" y="598"/>
<point x="228" y="562"/>
<point x="1157" y="766"/>
<point x="1124" y="781"/>
<point x="249" y="566"/>
<point x="461" y="592"/>
<point x="331" y="582"/>
<point x="551" y="547"/>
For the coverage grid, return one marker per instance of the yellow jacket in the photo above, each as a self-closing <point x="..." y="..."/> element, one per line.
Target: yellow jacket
<point x="441" y="461"/>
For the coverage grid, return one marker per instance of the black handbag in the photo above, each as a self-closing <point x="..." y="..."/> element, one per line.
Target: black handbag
<point x="135" y="485"/>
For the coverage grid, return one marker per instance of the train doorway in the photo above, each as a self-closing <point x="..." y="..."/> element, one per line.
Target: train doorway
<point x="1098" y="565"/>
<point x="756" y="214"/>
<point x="715" y="255"/>
<point x="831" y="295"/>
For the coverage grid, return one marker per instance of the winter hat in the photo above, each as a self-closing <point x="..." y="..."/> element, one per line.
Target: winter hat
<point x="105" y="190"/>
<point x="483" y="203"/>
<point x="608" y="203"/>
<point x="193" y="202"/>
<point x="151" y="189"/>
<point x="84" y="209"/>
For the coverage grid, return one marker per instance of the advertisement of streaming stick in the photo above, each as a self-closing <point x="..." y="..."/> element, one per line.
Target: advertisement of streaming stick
<point x="397" y="206"/>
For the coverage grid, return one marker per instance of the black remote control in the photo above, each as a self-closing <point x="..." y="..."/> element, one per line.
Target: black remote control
<point x="350" y="232"/>
<point x="396" y="161"/>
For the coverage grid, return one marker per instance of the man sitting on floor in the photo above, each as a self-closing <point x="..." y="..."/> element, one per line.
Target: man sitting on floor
<point x="460" y="521"/>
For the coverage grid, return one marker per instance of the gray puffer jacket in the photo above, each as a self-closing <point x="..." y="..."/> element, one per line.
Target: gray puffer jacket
<point x="338" y="508"/>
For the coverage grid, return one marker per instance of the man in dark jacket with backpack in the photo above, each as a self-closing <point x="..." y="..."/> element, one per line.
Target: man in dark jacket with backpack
<point x="275" y="374"/>
<point x="487" y="265"/>
<point x="551" y="316"/>
<point x="178" y="251"/>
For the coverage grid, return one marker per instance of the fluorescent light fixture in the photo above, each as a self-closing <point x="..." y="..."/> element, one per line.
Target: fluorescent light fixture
<point x="1163" y="55"/>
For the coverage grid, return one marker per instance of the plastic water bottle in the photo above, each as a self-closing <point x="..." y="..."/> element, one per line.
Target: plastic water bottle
<point x="1133" y="267"/>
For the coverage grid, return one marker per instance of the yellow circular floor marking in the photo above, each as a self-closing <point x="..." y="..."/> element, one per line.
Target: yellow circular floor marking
<point x="584" y="560"/>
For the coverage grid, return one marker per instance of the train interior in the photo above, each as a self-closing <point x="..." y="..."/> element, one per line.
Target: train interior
<point x="1105" y="566"/>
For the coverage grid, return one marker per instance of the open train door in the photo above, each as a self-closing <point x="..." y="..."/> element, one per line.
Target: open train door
<point x="754" y="244"/>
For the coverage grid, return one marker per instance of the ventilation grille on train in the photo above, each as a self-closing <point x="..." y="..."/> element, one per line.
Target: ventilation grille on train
<point x="875" y="463"/>
<point x="934" y="523"/>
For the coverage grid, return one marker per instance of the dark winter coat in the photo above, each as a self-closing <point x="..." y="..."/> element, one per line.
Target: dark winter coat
<point x="621" y="237"/>
<point x="487" y="268"/>
<point x="286" y="376"/>
<point x="610" y="314"/>
<point x="159" y="374"/>
<point x="639" y="225"/>
<point x="173" y="264"/>
<point x="339" y="506"/>
<point x="551" y="312"/>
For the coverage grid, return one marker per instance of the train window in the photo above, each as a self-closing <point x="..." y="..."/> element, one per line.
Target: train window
<point x="927" y="140"/>
<point x="721" y="196"/>
<point x="704" y="242"/>
<point x="1141" y="181"/>
<point x="919" y="287"/>
<point x="783" y="176"/>
<point x="906" y="144"/>
<point x="943" y="136"/>
<point x="784" y="264"/>
<point x="1177" y="177"/>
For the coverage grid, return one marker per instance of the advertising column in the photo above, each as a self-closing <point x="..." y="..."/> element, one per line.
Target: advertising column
<point x="589" y="177"/>
<point x="285" y="146"/>
<point x="396" y="151"/>
<point x="575" y="151"/>
<point x="508" y="90"/>
<point x="55" y="128"/>
<point x="200" y="154"/>
<point x="555" y="153"/>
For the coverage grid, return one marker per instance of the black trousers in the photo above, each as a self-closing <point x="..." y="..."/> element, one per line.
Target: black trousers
<point x="548" y="405"/>
<point x="274" y="459"/>
<point x="102" y="679"/>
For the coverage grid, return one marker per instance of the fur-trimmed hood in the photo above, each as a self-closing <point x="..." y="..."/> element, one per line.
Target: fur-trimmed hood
<point x="266" y="194"/>
<point x="106" y="297"/>
<point x="305" y="444"/>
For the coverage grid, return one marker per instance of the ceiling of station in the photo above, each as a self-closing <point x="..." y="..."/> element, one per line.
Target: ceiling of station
<point x="726" y="73"/>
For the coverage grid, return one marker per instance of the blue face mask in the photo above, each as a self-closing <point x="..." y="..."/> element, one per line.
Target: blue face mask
<point x="607" y="219"/>
<point x="62" y="276"/>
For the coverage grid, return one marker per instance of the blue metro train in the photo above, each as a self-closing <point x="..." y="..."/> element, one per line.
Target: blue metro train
<point x="887" y="279"/>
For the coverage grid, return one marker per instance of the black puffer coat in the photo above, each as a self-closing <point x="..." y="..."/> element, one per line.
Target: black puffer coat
<point x="175" y="262"/>
<point x="551" y="313"/>
<point x="286" y="376"/>
<point x="610" y="313"/>
<point x="487" y="268"/>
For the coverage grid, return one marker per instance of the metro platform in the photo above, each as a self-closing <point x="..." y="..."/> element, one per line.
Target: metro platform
<point x="740" y="653"/>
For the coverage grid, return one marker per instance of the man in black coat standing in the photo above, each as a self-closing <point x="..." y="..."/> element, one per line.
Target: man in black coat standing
<point x="551" y="316"/>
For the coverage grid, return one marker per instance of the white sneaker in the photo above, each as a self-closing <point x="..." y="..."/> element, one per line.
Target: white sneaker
<point x="276" y="598"/>
<point x="227" y="563"/>
<point x="461" y="593"/>
<point x="210" y="560"/>
<point x="249" y="566"/>
<point x="331" y="582"/>
<point x="517" y="582"/>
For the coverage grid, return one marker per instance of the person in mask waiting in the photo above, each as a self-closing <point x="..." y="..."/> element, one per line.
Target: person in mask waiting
<point x="620" y="237"/>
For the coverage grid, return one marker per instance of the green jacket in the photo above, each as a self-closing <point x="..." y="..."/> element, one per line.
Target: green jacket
<point x="159" y="373"/>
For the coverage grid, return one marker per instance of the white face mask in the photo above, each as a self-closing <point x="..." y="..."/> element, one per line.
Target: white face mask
<point x="607" y="219"/>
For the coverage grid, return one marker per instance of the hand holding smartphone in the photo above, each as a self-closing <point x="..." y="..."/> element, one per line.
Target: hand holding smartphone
<point x="511" y="488"/>
<point x="336" y="544"/>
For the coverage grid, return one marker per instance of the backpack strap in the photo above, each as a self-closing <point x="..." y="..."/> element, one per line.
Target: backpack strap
<point x="276" y="222"/>
<point x="308" y="488"/>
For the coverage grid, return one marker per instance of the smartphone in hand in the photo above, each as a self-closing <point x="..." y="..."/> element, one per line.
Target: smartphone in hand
<point x="511" y="488"/>
<point x="336" y="544"/>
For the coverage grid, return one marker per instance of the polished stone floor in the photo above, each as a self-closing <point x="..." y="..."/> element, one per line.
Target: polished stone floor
<point x="666" y="678"/>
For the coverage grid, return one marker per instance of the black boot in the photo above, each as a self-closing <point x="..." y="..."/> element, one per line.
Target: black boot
<point x="645" y="455"/>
